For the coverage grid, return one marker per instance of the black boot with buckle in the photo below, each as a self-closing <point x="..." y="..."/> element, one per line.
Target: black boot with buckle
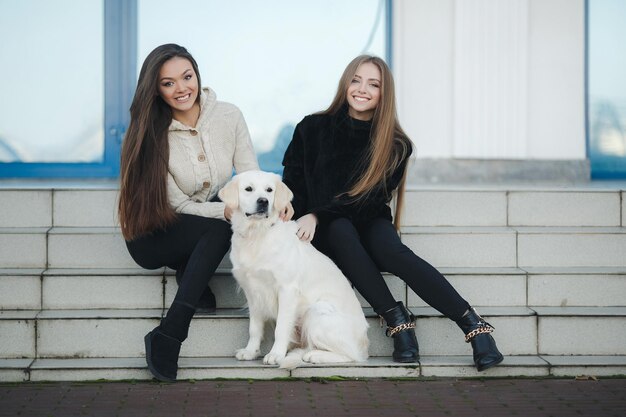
<point x="401" y="326"/>
<point x="477" y="331"/>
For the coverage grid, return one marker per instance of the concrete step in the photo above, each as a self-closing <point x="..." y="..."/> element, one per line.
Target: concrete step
<point x="581" y="330"/>
<point x="477" y="247"/>
<point x="17" y="370"/>
<point x="75" y="306"/>
<point x="576" y="286"/>
<point x="95" y="205"/>
<point x="60" y="334"/>
<point x="91" y="206"/>
<point x="23" y="247"/>
<point x="571" y="247"/>
<point x="65" y="289"/>
<point x="473" y="247"/>
<point x="66" y="247"/>
<point x="522" y="247"/>
<point x="442" y="205"/>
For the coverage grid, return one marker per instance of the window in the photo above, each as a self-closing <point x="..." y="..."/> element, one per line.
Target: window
<point x="606" y="88"/>
<point x="277" y="60"/>
<point x="56" y="122"/>
<point x="70" y="68"/>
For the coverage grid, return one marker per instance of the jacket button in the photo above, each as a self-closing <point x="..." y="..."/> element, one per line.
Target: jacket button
<point x="205" y="184"/>
<point x="201" y="158"/>
<point x="193" y="132"/>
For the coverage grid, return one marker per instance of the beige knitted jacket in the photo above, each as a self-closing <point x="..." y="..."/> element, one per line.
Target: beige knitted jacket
<point x="202" y="158"/>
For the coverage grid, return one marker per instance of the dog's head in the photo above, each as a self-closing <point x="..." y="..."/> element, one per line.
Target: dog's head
<point x="256" y="194"/>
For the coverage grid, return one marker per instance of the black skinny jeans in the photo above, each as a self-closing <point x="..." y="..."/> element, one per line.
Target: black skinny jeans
<point x="363" y="251"/>
<point x="194" y="243"/>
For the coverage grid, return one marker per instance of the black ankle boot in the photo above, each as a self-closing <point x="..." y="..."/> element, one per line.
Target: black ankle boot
<point x="207" y="302"/>
<point x="162" y="355"/>
<point x="401" y="326"/>
<point x="477" y="331"/>
<point x="163" y="342"/>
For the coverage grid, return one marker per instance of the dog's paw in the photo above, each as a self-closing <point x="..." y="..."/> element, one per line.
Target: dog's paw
<point x="273" y="358"/>
<point x="311" y="357"/>
<point x="247" y="355"/>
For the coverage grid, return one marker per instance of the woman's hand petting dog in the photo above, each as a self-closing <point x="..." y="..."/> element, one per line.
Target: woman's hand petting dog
<point x="306" y="227"/>
<point x="287" y="213"/>
<point x="228" y="213"/>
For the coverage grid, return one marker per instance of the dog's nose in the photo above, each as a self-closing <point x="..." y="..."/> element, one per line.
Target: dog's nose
<point x="262" y="202"/>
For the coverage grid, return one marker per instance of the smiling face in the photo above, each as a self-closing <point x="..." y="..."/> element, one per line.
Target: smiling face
<point x="178" y="86"/>
<point x="363" y="93"/>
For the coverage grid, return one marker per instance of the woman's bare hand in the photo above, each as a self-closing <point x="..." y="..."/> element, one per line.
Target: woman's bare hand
<point x="287" y="213"/>
<point x="306" y="227"/>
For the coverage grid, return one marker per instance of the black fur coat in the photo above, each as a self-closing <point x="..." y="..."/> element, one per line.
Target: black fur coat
<point x="325" y="158"/>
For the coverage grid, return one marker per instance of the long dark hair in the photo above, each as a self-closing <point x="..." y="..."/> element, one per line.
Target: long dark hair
<point x="143" y="204"/>
<point x="384" y="156"/>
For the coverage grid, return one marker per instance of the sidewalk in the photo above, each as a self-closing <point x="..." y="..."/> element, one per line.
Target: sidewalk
<point x="325" y="398"/>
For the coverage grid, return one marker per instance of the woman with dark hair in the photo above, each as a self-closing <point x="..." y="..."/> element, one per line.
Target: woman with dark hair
<point x="343" y="166"/>
<point x="180" y="148"/>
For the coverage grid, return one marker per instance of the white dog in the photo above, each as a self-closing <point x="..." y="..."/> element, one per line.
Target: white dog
<point x="317" y="315"/>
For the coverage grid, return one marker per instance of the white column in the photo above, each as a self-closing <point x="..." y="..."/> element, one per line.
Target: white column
<point x="423" y="32"/>
<point x="557" y="80"/>
<point x="490" y="79"/>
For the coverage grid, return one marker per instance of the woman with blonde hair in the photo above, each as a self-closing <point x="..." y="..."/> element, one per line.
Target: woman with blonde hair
<point x="343" y="166"/>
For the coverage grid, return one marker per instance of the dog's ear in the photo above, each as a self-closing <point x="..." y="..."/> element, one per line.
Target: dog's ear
<point x="283" y="196"/>
<point x="230" y="193"/>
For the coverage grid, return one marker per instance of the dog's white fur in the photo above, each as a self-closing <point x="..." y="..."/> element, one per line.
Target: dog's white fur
<point x="285" y="280"/>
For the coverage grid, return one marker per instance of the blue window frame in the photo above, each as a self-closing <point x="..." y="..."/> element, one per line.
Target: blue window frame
<point x="121" y="40"/>
<point x="606" y="88"/>
<point x="119" y="71"/>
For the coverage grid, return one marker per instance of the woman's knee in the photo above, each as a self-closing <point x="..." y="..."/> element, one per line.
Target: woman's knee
<point x="224" y="229"/>
<point x="341" y="230"/>
<point x="383" y="243"/>
<point x="218" y="237"/>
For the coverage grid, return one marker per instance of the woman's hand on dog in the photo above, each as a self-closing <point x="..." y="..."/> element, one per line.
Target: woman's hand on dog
<point x="287" y="213"/>
<point x="228" y="213"/>
<point x="306" y="227"/>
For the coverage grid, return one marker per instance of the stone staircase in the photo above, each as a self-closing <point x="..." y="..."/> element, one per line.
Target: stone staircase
<point x="546" y="265"/>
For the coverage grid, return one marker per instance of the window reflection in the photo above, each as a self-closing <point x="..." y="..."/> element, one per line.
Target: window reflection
<point x="52" y="71"/>
<point x="607" y="87"/>
<point x="277" y="60"/>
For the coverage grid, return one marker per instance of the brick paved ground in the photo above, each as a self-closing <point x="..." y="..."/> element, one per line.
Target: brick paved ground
<point x="326" y="398"/>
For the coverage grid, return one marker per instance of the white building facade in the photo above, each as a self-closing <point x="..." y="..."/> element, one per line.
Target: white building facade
<point x="487" y="81"/>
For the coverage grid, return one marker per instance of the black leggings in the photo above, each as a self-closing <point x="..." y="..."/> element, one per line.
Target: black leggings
<point x="195" y="244"/>
<point x="361" y="252"/>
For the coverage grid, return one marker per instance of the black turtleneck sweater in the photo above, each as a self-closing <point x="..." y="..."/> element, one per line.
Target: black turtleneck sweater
<point x="326" y="156"/>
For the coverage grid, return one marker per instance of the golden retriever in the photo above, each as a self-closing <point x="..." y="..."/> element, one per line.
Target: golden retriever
<point x="317" y="316"/>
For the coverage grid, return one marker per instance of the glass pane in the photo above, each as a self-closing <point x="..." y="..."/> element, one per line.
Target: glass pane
<point x="52" y="81"/>
<point x="607" y="88"/>
<point x="277" y="60"/>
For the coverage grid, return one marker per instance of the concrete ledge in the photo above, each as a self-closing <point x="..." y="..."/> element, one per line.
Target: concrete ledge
<point x="586" y="365"/>
<point x="18" y="370"/>
<point x="463" y="366"/>
<point x="14" y="370"/>
<point x="426" y="170"/>
<point x="463" y="246"/>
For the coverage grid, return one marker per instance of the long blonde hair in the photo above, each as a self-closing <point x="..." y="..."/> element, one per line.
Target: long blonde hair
<point x="383" y="157"/>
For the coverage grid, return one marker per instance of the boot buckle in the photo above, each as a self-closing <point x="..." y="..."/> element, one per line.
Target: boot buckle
<point x="401" y="327"/>
<point x="484" y="327"/>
